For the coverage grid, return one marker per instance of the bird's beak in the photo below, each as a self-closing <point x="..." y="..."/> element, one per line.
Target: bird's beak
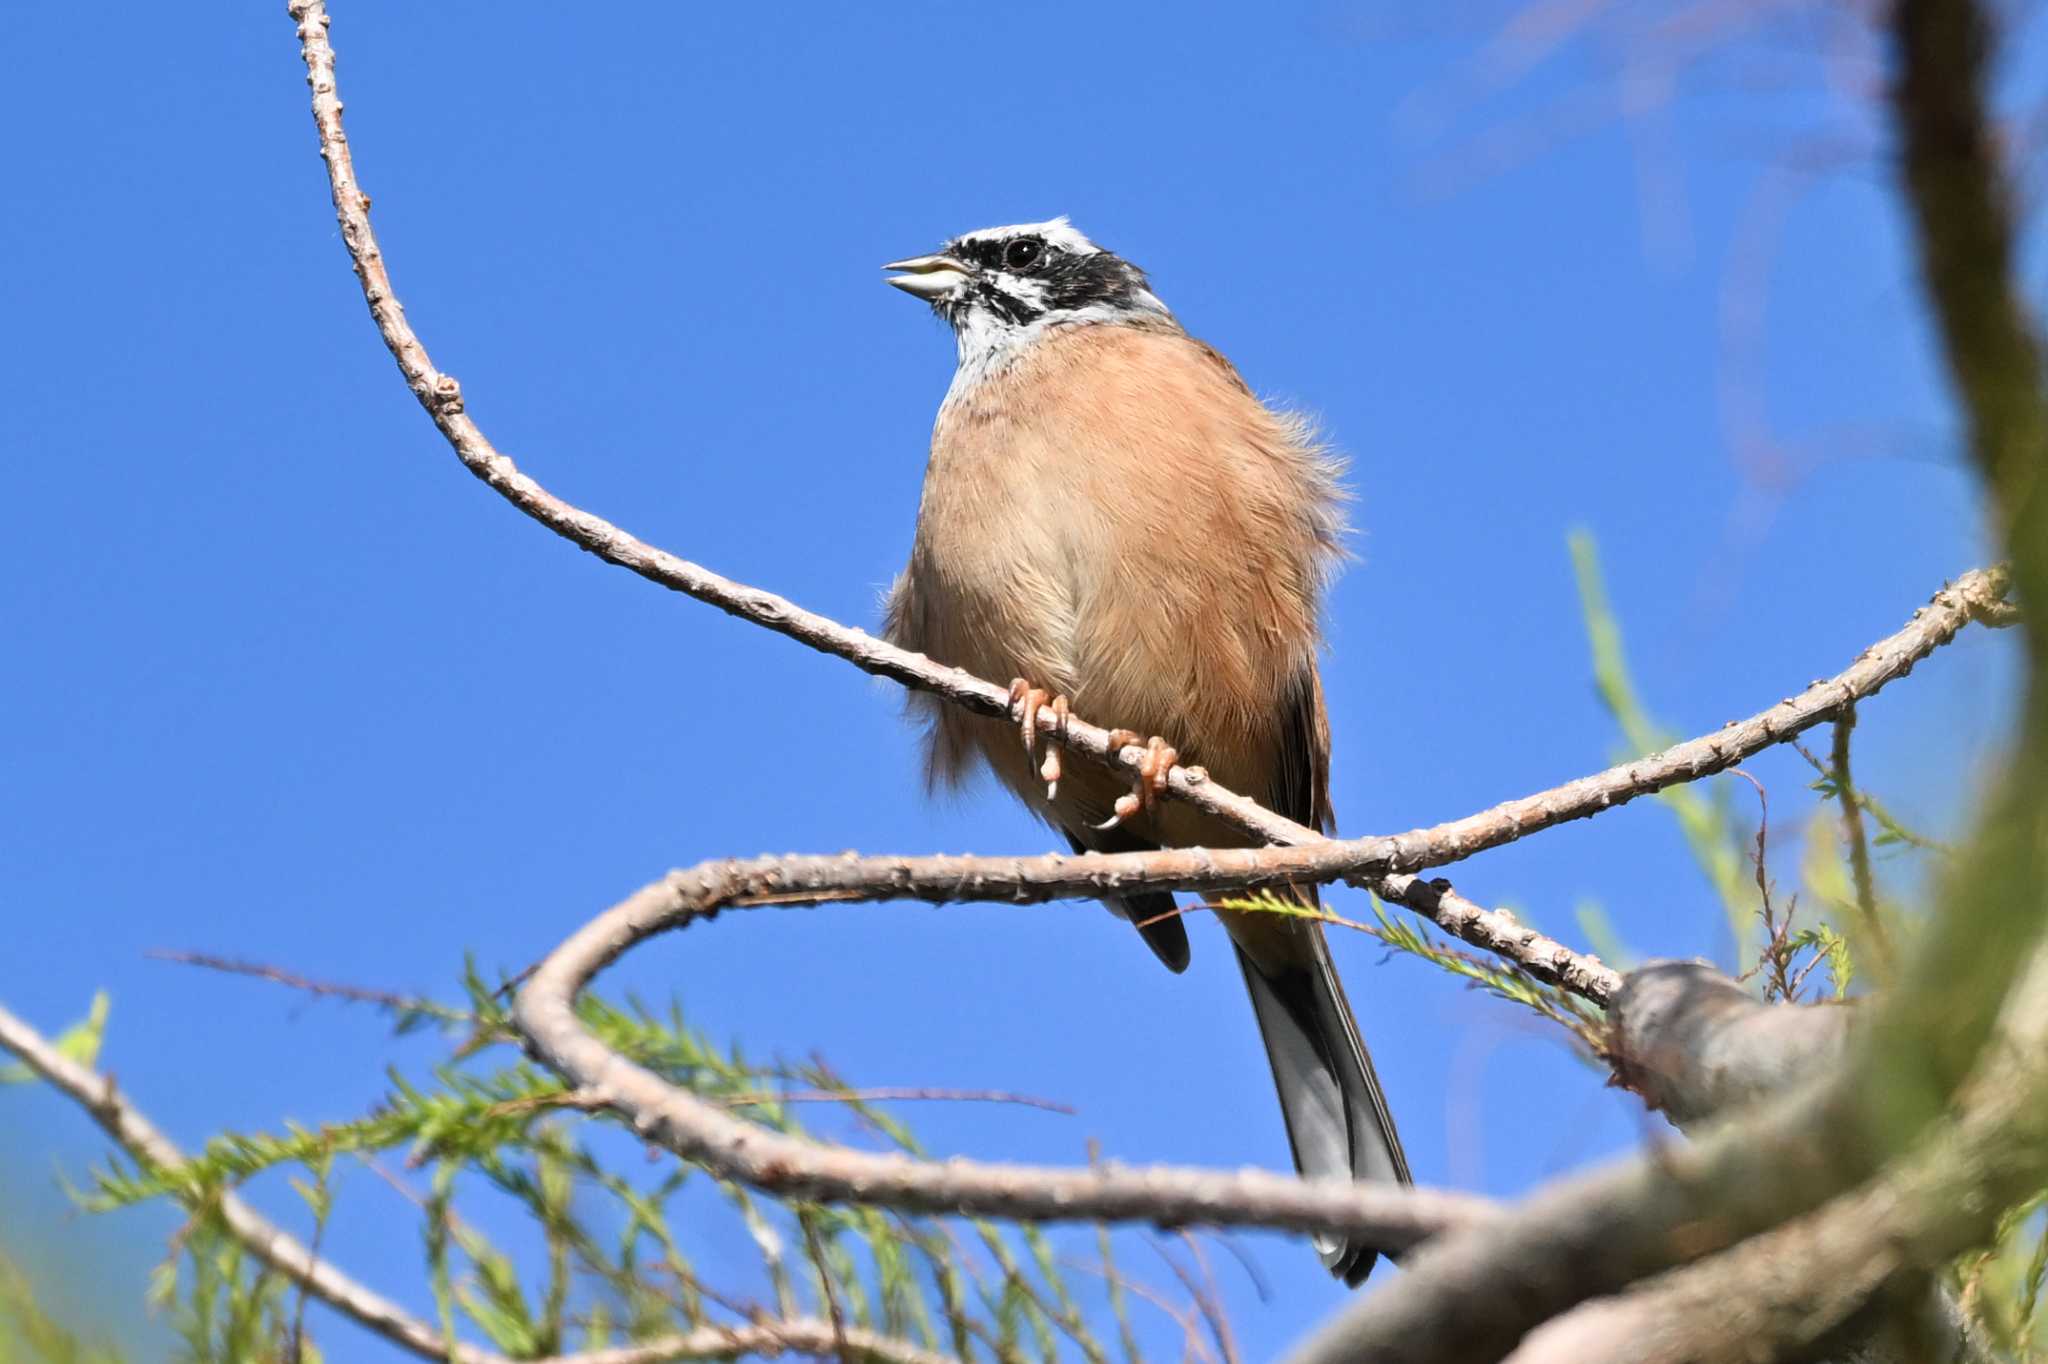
<point x="927" y="277"/>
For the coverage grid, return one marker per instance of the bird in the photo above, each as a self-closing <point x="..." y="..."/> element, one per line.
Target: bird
<point x="1114" y="520"/>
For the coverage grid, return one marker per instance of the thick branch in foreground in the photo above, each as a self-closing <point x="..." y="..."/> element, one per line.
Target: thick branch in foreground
<point x="1843" y="1282"/>
<point x="1857" y="1271"/>
<point x="1961" y="205"/>
<point x="1694" y="1044"/>
<point x="1471" y="1297"/>
<point x="1962" y="208"/>
<point x="290" y="1257"/>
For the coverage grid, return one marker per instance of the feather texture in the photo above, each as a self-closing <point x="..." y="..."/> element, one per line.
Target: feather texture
<point x="1112" y="514"/>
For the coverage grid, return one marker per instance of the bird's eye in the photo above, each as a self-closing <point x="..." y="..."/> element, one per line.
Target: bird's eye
<point x="1023" y="253"/>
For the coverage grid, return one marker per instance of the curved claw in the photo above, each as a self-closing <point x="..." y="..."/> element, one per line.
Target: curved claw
<point x="1049" y="771"/>
<point x="1153" y="770"/>
<point x="1029" y="701"/>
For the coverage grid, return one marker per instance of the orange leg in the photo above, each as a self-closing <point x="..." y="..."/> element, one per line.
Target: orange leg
<point x="1029" y="701"/>
<point x="1153" y="768"/>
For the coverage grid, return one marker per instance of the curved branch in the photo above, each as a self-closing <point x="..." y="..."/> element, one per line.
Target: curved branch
<point x="290" y="1257"/>
<point x="1395" y="1217"/>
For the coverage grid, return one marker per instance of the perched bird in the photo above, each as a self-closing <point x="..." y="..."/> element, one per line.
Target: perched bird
<point x="1113" y="519"/>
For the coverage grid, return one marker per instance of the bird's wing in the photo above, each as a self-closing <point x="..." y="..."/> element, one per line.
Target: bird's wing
<point x="1301" y="770"/>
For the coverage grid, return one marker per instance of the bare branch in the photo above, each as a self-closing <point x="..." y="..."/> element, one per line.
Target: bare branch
<point x="583" y="1102"/>
<point x="320" y="989"/>
<point x="1864" y="878"/>
<point x="1498" y="932"/>
<point x="704" y="1134"/>
<point x="882" y="1094"/>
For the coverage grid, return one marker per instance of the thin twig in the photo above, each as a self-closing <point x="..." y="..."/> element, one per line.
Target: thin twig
<point x="356" y="994"/>
<point x="808" y="1222"/>
<point x="297" y="1341"/>
<point x="1262" y="1290"/>
<point x="1188" y="1319"/>
<point x="1875" y="808"/>
<point x="1208" y="1298"/>
<point x="1860" y="873"/>
<point x="895" y="1094"/>
<point x="578" y="1101"/>
<point x="1776" y="956"/>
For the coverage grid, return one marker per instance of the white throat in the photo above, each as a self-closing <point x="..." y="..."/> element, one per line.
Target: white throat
<point x="987" y="345"/>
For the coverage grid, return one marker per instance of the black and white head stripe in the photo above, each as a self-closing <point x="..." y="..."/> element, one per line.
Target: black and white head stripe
<point x="1042" y="272"/>
<point x="1002" y="289"/>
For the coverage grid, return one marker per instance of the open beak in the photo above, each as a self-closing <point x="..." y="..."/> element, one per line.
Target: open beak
<point x="927" y="277"/>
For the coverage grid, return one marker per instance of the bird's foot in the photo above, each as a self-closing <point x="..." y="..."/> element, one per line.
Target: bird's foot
<point x="1029" y="701"/>
<point x="1153" y="768"/>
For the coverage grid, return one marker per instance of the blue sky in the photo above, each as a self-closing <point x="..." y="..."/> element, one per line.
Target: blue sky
<point x="285" y="683"/>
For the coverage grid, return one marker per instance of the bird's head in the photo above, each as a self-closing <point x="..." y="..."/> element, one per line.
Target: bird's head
<point x="1002" y="285"/>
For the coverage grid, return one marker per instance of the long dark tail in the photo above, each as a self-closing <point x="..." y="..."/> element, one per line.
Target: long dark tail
<point x="1337" y="1118"/>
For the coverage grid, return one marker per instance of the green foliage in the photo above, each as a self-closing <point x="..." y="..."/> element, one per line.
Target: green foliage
<point x="225" y="1305"/>
<point x="603" y="1257"/>
<point x="1706" y="818"/>
<point x="1404" y="933"/>
<point x="1891" y="833"/>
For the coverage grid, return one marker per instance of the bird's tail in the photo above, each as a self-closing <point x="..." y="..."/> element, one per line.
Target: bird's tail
<point x="1337" y="1118"/>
